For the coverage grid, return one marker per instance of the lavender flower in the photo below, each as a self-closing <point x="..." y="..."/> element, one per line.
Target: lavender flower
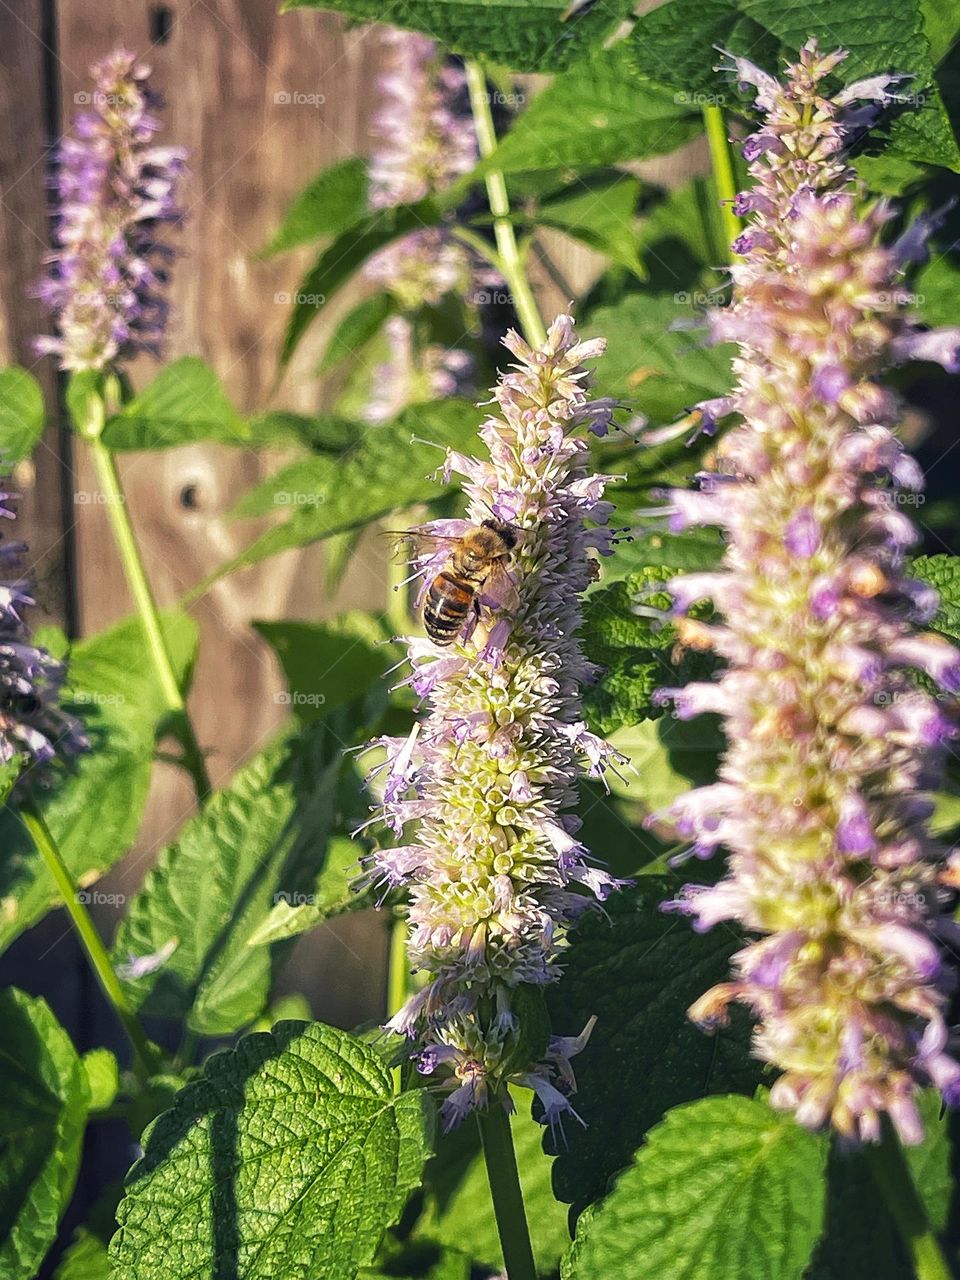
<point x="410" y="376"/>
<point x="420" y="269"/>
<point x="830" y="735"/>
<point x="480" y="794"/>
<point x="426" y="140"/>
<point x="33" y="727"/>
<point x="116" y="190"/>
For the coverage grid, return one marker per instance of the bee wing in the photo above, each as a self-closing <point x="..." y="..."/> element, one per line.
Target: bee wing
<point x="500" y="589"/>
<point x="412" y="544"/>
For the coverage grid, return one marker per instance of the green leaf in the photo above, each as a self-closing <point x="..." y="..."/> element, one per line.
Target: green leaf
<point x="262" y="837"/>
<point x="935" y="286"/>
<point x="690" y="551"/>
<point x="392" y="467"/>
<point x="889" y="174"/>
<point x="655" y="358"/>
<point x="638" y="972"/>
<point x="358" y="327"/>
<point x="599" y="113"/>
<point x="676" y="43"/>
<point x="682" y="240"/>
<point x="288" y="1160"/>
<point x="601" y="214"/>
<point x="85" y="1258"/>
<point x="327" y="664"/>
<point x="22" y="417"/>
<point x="665" y="758"/>
<point x="110" y="675"/>
<point x="331" y="895"/>
<point x="724" y="1189"/>
<point x="862" y="1244"/>
<point x="94" y="810"/>
<point x="943" y="572"/>
<point x="636" y="657"/>
<point x="941" y="24"/>
<point x="419" y="1259"/>
<point x="321" y="433"/>
<point x="10" y="771"/>
<point x="333" y="202"/>
<point x="344" y="256"/>
<point x="524" y="35"/>
<point x="184" y="404"/>
<point x="103" y="1077"/>
<point x="43" y="1113"/>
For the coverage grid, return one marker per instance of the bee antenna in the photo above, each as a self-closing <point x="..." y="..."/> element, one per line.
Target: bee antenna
<point x="432" y="443"/>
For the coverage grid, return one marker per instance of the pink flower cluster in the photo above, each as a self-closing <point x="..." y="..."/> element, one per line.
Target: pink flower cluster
<point x="833" y="741"/>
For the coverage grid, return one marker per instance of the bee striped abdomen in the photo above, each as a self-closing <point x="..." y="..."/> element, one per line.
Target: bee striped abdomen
<point x="446" y="607"/>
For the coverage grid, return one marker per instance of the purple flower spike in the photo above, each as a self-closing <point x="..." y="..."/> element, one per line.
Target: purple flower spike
<point x="32" y="724"/>
<point x="830" y="735"/>
<point x="481" y="793"/>
<point x="425" y="141"/>
<point x="116" y="192"/>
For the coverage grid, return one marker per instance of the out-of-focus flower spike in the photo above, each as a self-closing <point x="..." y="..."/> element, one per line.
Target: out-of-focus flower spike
<point x="33" y="725"/>
<point x="116" y="193"/>
<point x="830" y="737"/>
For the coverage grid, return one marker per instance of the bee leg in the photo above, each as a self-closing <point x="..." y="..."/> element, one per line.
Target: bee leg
<point x="471" y="623"/>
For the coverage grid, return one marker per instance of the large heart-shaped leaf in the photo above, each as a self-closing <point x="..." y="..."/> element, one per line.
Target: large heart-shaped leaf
<point x="259" y="842"/>
<point x="43" y="1112"/>
<point x="525" y="35"/>
<point x="288" y="1160"/>
<point x="724" y="1189"/>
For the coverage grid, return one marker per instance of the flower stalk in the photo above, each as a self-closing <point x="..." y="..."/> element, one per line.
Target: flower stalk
<point x="508" y="261"/>
<point x="181" y="724"/>
<point x="481" y="792"/>
<point x="721" y="160"/>
<point x="106" y="286"/>
<point x="895" y="1181"/>
<point x="506" y="1192"/>
<point x="146" y="1055"/>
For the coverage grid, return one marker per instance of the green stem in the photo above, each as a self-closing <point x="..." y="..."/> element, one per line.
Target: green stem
<point x="398" y="978"/>
<point x="724" y="177"/>
<point x="146" y="1055"/>
<point x="398" y="973"/>
<point x="507" y="247"/>
<point x="892" y="1175"/>
<point x="126" y="541"/>
<point x="507" y="1194"/>
<point x="188" y="1048"/>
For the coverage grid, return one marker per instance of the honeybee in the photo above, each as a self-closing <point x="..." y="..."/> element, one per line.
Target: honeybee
<point x="476" y="566"/>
